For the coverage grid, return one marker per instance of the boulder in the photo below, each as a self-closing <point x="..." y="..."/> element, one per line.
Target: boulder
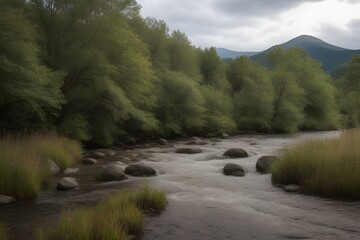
<point x="67" y="183"/>
<point x="107" y="152"/>
<point x="71" y="170"/>
<point x="236" y="153"/>
<point x="225" y="135"/>
<point x="54" y="168"/>
<point x="188" y="150"/>
<point x="232" y="169"/>
<point x="112" y="173"/>
<point x="89" y="161"/>
<point x="197" y="142"/>
<point x="129" y="140"/>
<point x="6" y="200"/>
<point x="263" y="164"/>
<point x="139" y="170"/>
<point x="214" y="140"/>
<point x="163" y="141"/>
<point x="97" y="155"/>
<point x="292" y="188"/>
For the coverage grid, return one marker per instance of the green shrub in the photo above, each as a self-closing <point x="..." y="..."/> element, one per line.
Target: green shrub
<point x="330" y="167"/>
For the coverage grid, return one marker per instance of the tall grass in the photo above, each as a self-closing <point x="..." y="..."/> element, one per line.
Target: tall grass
<point x="113" y="219"/>
<point x="24" y="162"/>
<point x="4" y="232"/>
<point x="330" y="167"/>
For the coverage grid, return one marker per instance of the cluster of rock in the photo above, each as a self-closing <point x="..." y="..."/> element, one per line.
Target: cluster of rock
<point x="110" y="173"/>
<point x="263" y="164"/>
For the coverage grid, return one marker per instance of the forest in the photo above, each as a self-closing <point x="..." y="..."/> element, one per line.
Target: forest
<point x="98" y="72"/>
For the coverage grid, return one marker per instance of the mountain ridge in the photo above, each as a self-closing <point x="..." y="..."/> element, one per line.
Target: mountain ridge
<point x="225" y="53"/>
<point x="330" y="56"/>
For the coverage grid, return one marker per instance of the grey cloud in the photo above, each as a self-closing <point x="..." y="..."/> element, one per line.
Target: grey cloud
<point x="350" y="36"/>
<point x="351" y="1"/>
<point x="239" y="24"/>
<point x="257" y="7"/>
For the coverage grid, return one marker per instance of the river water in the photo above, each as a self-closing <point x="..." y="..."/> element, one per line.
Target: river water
<point x="203" y="203"/>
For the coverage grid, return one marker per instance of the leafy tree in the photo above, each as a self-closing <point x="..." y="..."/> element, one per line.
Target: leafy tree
<point x="155" y="33"/>
<point x="320" y="109"/>
<point x="30" y="95"/>
<point x="350" y="93"/>
<point x="109" y="84"/>
<point x="289" y="102"/>
<point x="181" y="105"/>
<point x="218" y="112"/>
<point x="183" y="57"/>
<point x="253" y="94"/>
<point x="213" y="70"/>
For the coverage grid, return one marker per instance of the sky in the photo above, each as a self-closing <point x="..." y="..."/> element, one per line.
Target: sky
<point x="255" y="25"/>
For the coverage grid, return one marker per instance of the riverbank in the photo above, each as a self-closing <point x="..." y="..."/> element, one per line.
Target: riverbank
<point x="328" y="167"/>
<point x="28" y="162"/>
<point x="203" y="202"/>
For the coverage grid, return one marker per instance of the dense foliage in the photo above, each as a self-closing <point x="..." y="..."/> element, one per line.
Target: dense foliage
<point x="97" y="71"/>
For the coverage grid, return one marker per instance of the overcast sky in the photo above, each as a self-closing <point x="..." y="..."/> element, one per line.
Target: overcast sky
<point x="253" y="25"/>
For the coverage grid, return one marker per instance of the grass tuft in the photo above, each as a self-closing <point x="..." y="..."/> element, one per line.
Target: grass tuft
<point x="23" y="162"/>
<point x="113" y="219"/>
<point x="329" y="167"/>
<point x="152" y="200"/>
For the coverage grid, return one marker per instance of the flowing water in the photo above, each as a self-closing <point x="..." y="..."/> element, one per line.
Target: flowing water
<point x="203" y="203"/>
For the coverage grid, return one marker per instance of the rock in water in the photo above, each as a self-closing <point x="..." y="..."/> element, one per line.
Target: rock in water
<point x="292" y="188"/>
<point x="54" y="168"/>
<point x="89" y="161"/>
<point x="236" y="153"/>
<point x="97" y="155"/>
<point x="107" y="152"/>
<point x="233" y="169"/>
<point x="139" y="170"/>
<point x="6" y="200"/>
<point x="225" y="135"/>
<point x="67" y="183"/>
<point x="112" y="173"/>
<point x="264" y="163"/>
<point x="163" y="141"/>
<point x="197" y="142"/>
<point x="189" y="150"/>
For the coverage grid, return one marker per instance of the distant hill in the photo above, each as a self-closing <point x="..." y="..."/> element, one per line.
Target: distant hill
<point x="227" y="53"/>
<point x="330" y="56"/>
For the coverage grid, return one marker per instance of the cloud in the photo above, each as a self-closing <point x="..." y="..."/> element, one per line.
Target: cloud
<point x="258" y="7"/>
<point x="254" y="25"/>
<point x="343" y="36"/>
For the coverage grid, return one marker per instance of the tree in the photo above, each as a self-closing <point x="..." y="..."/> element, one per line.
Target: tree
<point x="181" y="105"/>
<point x="213" y="70"/>
<point x="30" y="96"/>
<point x="253" y="95"/>
<point x="350" y="93"/>
<point x="289" y="102"/>
<point x="183" y="57"/>
<point x="320" y="108"/>
<point x="109" y="84"/>
<point x="218" y="115"/>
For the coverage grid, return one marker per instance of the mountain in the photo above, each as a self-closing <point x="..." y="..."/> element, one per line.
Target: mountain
<point x="227" y="53"/>
<point x="330" y="56"/>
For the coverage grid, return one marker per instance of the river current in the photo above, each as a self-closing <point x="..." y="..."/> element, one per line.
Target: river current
<point x="203" y="203"/>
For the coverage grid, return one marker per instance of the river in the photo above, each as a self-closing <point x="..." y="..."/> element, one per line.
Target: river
<point x="203" y="203"/>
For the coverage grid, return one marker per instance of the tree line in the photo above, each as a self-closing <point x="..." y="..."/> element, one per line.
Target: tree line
<point x="96" y="71"/>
